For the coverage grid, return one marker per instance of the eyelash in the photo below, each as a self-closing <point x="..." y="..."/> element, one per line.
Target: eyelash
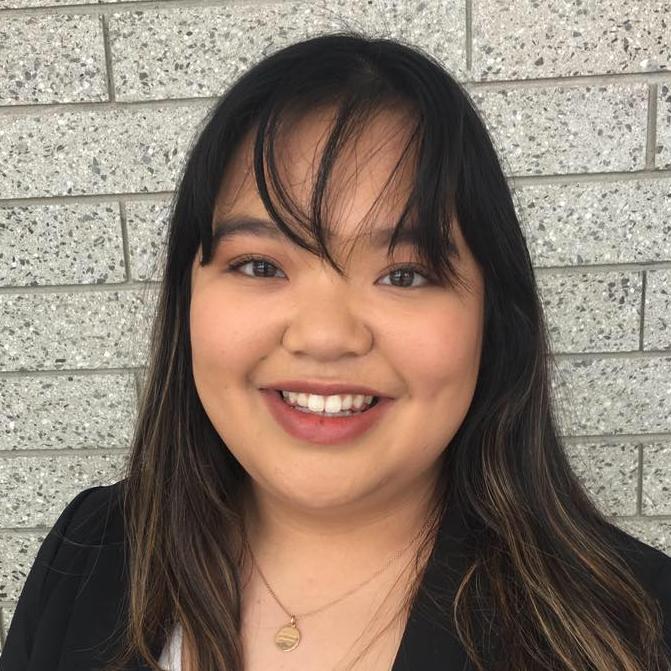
<point x="238" y="263"/>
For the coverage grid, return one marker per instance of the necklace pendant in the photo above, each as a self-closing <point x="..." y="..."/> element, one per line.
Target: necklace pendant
<point x="288" y="637"/>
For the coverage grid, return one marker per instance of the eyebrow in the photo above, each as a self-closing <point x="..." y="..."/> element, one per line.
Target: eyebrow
<point x="232" y="226"/>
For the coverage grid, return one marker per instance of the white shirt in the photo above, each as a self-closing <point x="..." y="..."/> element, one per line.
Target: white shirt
<point x="171" y="657"/>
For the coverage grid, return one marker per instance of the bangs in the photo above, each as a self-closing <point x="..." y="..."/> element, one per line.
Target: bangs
<point x="354" y="101"/>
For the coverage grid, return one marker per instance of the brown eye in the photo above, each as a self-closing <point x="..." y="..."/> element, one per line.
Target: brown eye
<point x="406" y="273"/>
<point x="258" y="262"/>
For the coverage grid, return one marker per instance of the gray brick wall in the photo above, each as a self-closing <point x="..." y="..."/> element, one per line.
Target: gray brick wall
<point x="98" y="103"/>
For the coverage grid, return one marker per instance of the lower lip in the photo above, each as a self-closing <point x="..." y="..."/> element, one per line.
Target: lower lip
<point x="320" y="428"/>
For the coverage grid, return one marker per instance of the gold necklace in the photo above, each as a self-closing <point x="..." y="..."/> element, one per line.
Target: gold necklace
<point x="288" y="636"/>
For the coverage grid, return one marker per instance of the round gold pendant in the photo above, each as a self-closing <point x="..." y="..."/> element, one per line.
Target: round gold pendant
<point x="288" y="637"/>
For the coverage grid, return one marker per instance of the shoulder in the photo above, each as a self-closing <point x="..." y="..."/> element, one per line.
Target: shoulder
<point x="89" y="523"/>
<point x="649" y="562"/>
<point x="87" y="533"/>
<point x="94" y="515"/>
<point x="652" y="567"/>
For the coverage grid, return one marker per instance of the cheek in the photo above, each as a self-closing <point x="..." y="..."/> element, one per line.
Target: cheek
<point x="217" y="322"/>
<point x="441" y="356"/>
<point x="227" y="340"/>
<point x="216" y="340"/>
<point x="440" y="360"/>
<point x="207" y="326"/>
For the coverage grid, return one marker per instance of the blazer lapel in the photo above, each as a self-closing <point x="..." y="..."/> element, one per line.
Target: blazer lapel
<point x="429" y="641"/>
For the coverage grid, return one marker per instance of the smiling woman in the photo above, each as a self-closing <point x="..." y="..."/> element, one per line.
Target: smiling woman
<point x="416" y="341"/>
<point x="346" y="455"/>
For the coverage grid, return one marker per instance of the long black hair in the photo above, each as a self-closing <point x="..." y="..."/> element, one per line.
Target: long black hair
<point x="543" y="554"/>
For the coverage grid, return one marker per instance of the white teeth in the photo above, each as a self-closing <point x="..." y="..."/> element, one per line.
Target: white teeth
<point x="329" y="404"/>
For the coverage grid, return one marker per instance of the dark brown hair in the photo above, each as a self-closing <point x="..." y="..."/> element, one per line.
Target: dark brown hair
<point x="543" y="559"/>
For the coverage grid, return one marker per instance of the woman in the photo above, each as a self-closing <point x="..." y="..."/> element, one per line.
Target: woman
<point x="346" y="455"/>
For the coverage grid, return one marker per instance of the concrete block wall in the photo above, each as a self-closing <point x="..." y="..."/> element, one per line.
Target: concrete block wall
<point x="98" y="104"/>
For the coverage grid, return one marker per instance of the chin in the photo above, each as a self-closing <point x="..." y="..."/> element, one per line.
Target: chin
<point x="316" y="496"/>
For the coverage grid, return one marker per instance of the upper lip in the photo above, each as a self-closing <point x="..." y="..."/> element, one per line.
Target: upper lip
<point x="325" y="388"/>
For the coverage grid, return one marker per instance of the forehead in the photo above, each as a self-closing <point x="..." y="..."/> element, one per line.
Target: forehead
<point x="367" y="185"/>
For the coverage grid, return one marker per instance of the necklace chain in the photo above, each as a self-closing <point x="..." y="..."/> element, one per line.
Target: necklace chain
<point x="387" y="564"/>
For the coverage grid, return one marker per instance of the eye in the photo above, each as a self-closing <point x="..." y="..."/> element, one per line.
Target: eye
<point x="401" y="272"/>
<point x="245" y="260"/>
<point x="408" y="270"/>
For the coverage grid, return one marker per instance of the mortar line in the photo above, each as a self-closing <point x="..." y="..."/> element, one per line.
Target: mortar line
<point x="129" y="7"/>
<point x="600" y="356"/>
<point x="111" y="91"/>
<point x="642" y="518"/>
<point x="155" y="196"/>
<point x="514" y="180"/>
<point x="569" y="81"/>
<point x="658" y="355"/>
<point x="23" y="531"/>
<point x="63" y="372"/>
<point x="600" y="268"/>
<point x="124" y="240"/>
<point x="577" y="439"/>
<point x="469" y="37"/>
<point x="79" y="288"/>
<point x="483" y="85"/>
<point x="105" y="105"/>
<point x="138" y="388"/>
<point x="644" y="287"/>
<point x="61" y="452"/>
<point x="595" y="177"/>
<point x="82" y="372"/>
<point x="651" y="128"/>
<point x="149" y="287"/>
<point x="639" y="492"/>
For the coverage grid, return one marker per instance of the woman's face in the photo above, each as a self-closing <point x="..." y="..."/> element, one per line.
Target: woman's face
<point x="293" y="317"/>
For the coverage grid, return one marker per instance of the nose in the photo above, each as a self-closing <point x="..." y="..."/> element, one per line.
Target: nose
<point x="327" y="325"/>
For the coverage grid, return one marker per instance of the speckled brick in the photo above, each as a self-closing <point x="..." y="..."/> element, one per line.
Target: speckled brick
<point x="17" y="554"/>
<point x="653" y="532"/>
<point x="187" y="52"/>
<point x="37" y="488"/>
<point x="562" y="129"/>
<point x="67" y="411"/>
<point x="147" y="225"/>
<point x="592" y="312"/>
<point x="582" y="223"/>
<point x="527" y="39"/>
<point x="55" y="58"/>
<point x="86" y="329"/>
<point x="657" y="325"/>
<point x="614" y="396"/>
<point x="16" y="4"/>
<point x="657" y="479"/>
<point x="7" y="613"/>
<point x="609" y="472"/>
<point x="95" y="151"/>
<point x="663" y="147"/>
<point x="78" y="243"/>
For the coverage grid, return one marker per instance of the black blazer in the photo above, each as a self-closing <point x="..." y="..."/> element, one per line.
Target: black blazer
<point x="74" y="599"/>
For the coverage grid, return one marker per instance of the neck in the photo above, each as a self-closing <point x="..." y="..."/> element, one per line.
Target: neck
<point x="297" y="547"/>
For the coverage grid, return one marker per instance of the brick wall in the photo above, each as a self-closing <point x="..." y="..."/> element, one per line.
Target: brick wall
<point x="98" y="103"/>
